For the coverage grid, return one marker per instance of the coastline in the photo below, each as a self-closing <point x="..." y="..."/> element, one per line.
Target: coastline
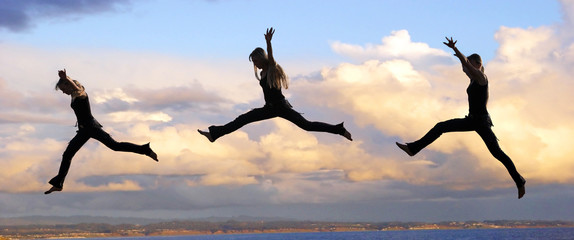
<point x="190" y="228"/>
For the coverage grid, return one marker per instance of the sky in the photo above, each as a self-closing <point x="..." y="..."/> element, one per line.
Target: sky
<point x="156" y="71"/>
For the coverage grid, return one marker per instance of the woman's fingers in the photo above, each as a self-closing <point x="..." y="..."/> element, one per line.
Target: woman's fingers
<point x="450" y="42"/>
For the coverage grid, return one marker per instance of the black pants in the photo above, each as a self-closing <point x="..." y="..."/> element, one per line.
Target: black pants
<point x="282" y="110"/>
<point x="82" y="136"/>
<point x="481" y="125"/>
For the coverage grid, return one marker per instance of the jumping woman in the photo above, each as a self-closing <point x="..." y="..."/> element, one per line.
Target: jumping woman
<point x="271" y="81"/>
<point x="477" y="120"/>
<point x="88" y="127"/>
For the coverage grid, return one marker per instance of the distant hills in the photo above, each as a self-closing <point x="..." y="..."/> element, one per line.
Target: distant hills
<point x="67" y="220"/>
<point x="54" y="220"/>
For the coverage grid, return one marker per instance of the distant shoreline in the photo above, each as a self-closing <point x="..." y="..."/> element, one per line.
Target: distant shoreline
<point x="188" y="228"/>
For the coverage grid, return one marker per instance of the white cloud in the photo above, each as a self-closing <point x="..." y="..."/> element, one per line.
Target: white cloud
<point x="396" y="46"/>
<point x="26" y="129"/>
<point x="117" y="93"/>
<point x="132" y="116"/>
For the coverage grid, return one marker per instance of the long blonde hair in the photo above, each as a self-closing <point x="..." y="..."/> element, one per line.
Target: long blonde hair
<point x="276" y="77"/>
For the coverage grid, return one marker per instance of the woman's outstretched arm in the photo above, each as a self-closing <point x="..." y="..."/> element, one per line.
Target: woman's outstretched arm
<point x="268" y="36"/>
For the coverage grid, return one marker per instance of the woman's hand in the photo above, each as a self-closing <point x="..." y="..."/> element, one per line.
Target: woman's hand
<point x="62" y="73"/>
<point x="450" y="43"/>
<point x="269" y="34"/>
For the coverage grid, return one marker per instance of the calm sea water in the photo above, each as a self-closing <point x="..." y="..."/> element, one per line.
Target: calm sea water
<point x="466" y="234"/>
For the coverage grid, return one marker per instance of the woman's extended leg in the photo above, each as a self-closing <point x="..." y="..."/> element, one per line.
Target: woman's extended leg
<point x="296" y="118"/>
<point x="453" y="125"/>
<point x="75" y="144"/>
<point x="256" y="114"/>
<point x="491" y="142"/>
<point x="105" y="138"/>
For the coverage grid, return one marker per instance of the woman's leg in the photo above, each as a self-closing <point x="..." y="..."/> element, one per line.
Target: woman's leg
<point x="254" y="115"/>
<point x="75" y="144"/>
<point x="296" y="118"/>
<point x="105" y="138"/>
<point x="491" y="142"/>
<point x="453" y="125"/>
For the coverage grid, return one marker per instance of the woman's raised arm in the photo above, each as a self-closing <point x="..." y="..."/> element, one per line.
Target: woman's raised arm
<point x="268" y="36"/>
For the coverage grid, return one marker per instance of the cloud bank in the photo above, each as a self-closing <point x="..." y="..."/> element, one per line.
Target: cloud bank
<point x="19" y="16"/>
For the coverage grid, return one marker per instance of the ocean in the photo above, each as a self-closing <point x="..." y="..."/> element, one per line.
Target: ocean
<point x="459" y="234"/>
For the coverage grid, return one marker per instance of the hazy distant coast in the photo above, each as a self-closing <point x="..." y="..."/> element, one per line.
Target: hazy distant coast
<point x="62" y="227"/>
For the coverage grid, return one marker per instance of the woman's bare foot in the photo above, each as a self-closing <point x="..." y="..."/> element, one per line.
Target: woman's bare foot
<point x="347" y="135"/>
<point x="153" y="156"/>
<point x="521" y="192"/>
<point x="522" y="189"/>
<point x="206" y="134"/>
<point x="53" y="189"/>
<point x="405" y="148"/>
<point x="151" y="153"/>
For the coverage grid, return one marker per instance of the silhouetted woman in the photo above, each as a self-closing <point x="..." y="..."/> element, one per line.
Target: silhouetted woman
<point x="88" y="128"/>
<point x="271" y="81"/>
<point x="478" y="119"/>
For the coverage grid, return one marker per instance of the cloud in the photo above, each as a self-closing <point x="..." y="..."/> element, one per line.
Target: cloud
<point x="20" y="15"/>
<point x="31" y="107"/>
<point x="177" y="98"/>
<point x="396" y="46"/>
<point x="141" y="76"/>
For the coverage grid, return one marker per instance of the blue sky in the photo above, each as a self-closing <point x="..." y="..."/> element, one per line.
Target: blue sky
<point x="230" y="28"/>
<point x="158" y="70"/>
